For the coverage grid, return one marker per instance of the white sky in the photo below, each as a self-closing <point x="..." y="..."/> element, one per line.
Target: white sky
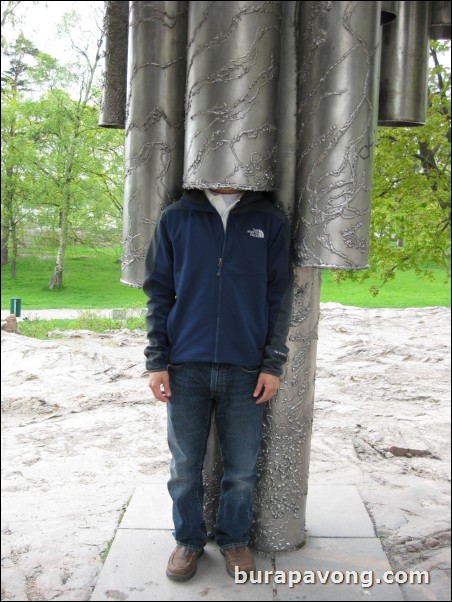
<point x="38" y="22"/>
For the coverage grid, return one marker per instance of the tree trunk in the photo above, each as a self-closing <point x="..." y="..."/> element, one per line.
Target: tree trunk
<point x="57" y="277"/>
<point x="4" y="252"/>
<point x="14" y="249"/>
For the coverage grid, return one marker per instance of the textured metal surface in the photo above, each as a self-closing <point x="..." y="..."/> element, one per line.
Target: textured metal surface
<point x="389" y="11"/>
<point x="250" y="125"/>
<point x="440" y="20"/>
<point x="404" y="67"/>
<point x="155" y="124"/>
<point x="337" y="104"/>
<point x="116" y="25"/>
<point x="282" y="472"/>
<point x="232" y="81"/>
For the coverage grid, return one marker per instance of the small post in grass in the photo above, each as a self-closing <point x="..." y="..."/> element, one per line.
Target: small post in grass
<point x="15" y="306"/>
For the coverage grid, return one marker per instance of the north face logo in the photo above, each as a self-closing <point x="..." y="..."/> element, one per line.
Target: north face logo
<point x="256" y="233"/>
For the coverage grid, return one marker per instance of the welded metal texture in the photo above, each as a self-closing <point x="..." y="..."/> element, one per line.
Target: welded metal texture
<point x="116" y="26"/>
<point x="337" y="105"/>
<point x="404" y="67"/>
<point x="154" y="137"/>
<point x="232" y="82"/>
<point x="440" y="20"/>
<point x="389" y="11"/>
<point x="278" y="522"/>
<point x="282" y="473"/>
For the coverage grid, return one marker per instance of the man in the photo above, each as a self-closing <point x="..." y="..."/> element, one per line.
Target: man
<point x="219" y="285"/>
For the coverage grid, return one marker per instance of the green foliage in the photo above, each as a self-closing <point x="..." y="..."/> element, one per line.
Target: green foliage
<point x="62" y="175"/>
<point x="411" y="192"/>
<point x="40" y="329"/>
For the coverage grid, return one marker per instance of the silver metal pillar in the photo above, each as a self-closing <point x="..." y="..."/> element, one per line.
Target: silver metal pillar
<point x="389" y="11"/>
<point x="404" y="67"/>
<point x="116" y="25"/>
<point x="283" y="467"/>
<point x="440" y="20"/>
<point x="339" y="48"/>
<point x="232" y="82"/>
<point x="154" y="143"/>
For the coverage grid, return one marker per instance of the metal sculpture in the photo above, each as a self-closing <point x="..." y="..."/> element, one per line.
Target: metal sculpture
<point x="279" y="96"/>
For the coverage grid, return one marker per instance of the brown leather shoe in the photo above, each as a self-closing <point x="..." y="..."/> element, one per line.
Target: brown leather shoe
<point x="239" y="557"/>
<point x="182" y="564"/>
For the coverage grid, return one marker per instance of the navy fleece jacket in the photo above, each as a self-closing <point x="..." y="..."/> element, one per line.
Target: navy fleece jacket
<point x="216" y="296"/>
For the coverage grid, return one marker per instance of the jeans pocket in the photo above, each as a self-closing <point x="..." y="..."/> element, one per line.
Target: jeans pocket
<point x="251" y="369"/>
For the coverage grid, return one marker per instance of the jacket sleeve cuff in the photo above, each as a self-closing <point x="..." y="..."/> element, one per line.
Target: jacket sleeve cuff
<point x="274" y="359"/>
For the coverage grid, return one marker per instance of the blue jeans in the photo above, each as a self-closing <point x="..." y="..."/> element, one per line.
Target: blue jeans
<point x="195" y="388"/>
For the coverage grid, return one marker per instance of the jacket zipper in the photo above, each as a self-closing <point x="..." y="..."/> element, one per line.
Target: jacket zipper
<point x="219" y="273"/>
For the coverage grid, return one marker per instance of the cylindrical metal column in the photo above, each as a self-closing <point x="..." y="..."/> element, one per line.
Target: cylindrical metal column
<point x="337" y="103"/>
<point x="154" y="141"/>
<point x="440" y="20"/>
<point x="404" y="67"/>
<point x="287" y="111"/>
<point x="283" y="467"/>
<point x="116" y="25"/>
<point x="389" y="11"/>
<point x="233" y="57"/>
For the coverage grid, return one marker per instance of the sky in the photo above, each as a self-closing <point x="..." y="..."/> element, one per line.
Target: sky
<point x="38" y="23"/>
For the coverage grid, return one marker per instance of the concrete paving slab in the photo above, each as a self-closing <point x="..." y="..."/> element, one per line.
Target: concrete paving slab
<point x="336" y="511"/>
<point x="149" y="508"/>
<point x="331" y="511"/>
<point x="335" y="561"/>
<point x="136" y="564"/>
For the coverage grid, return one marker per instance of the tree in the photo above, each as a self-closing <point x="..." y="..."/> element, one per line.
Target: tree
<point x="411" y="190"/>
<point x="16" y="149"/>
<point x="65" y="173"/>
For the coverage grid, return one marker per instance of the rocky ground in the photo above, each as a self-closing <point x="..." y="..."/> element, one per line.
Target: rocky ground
<point x="80" y="432"/>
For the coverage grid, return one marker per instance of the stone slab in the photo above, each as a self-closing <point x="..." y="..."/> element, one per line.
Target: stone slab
<point x="335" y="561"/>
<point x="337" y="511"/>
<point x="331" y="511"/>
<point x="136" y="564"/>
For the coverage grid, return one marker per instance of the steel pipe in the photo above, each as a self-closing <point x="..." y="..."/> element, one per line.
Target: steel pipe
<point x="282" y="483"/>
<point x="116" y="27"/>
<point x="339" y="48"/>
<point x="154" y="137"/>
<point x="404" y="67"/>
<point x="389" y="11"/>
<point x="440" y="20"/>
<point x="232" y="81"/>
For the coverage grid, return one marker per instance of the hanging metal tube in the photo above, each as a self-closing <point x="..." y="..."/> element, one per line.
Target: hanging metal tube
<point x="155" y="125"/>
<point x="404" y="67"/>
<point x="339" y="45"/>
<point x="232" y="84"/>
<point x="389" y="11"/>
<point x="440" y="20"/>
<point x="116" y="26"/>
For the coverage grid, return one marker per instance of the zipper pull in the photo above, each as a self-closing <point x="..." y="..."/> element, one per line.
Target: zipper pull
<point x="220" y="265"/>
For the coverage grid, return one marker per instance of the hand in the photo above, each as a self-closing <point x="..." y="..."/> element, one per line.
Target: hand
<point x="159" y="385"/>
<point x="266" y="387"/>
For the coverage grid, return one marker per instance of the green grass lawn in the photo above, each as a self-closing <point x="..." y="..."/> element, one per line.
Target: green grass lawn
<point x="405" y="290"/>
<point x="91" y="281"/>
